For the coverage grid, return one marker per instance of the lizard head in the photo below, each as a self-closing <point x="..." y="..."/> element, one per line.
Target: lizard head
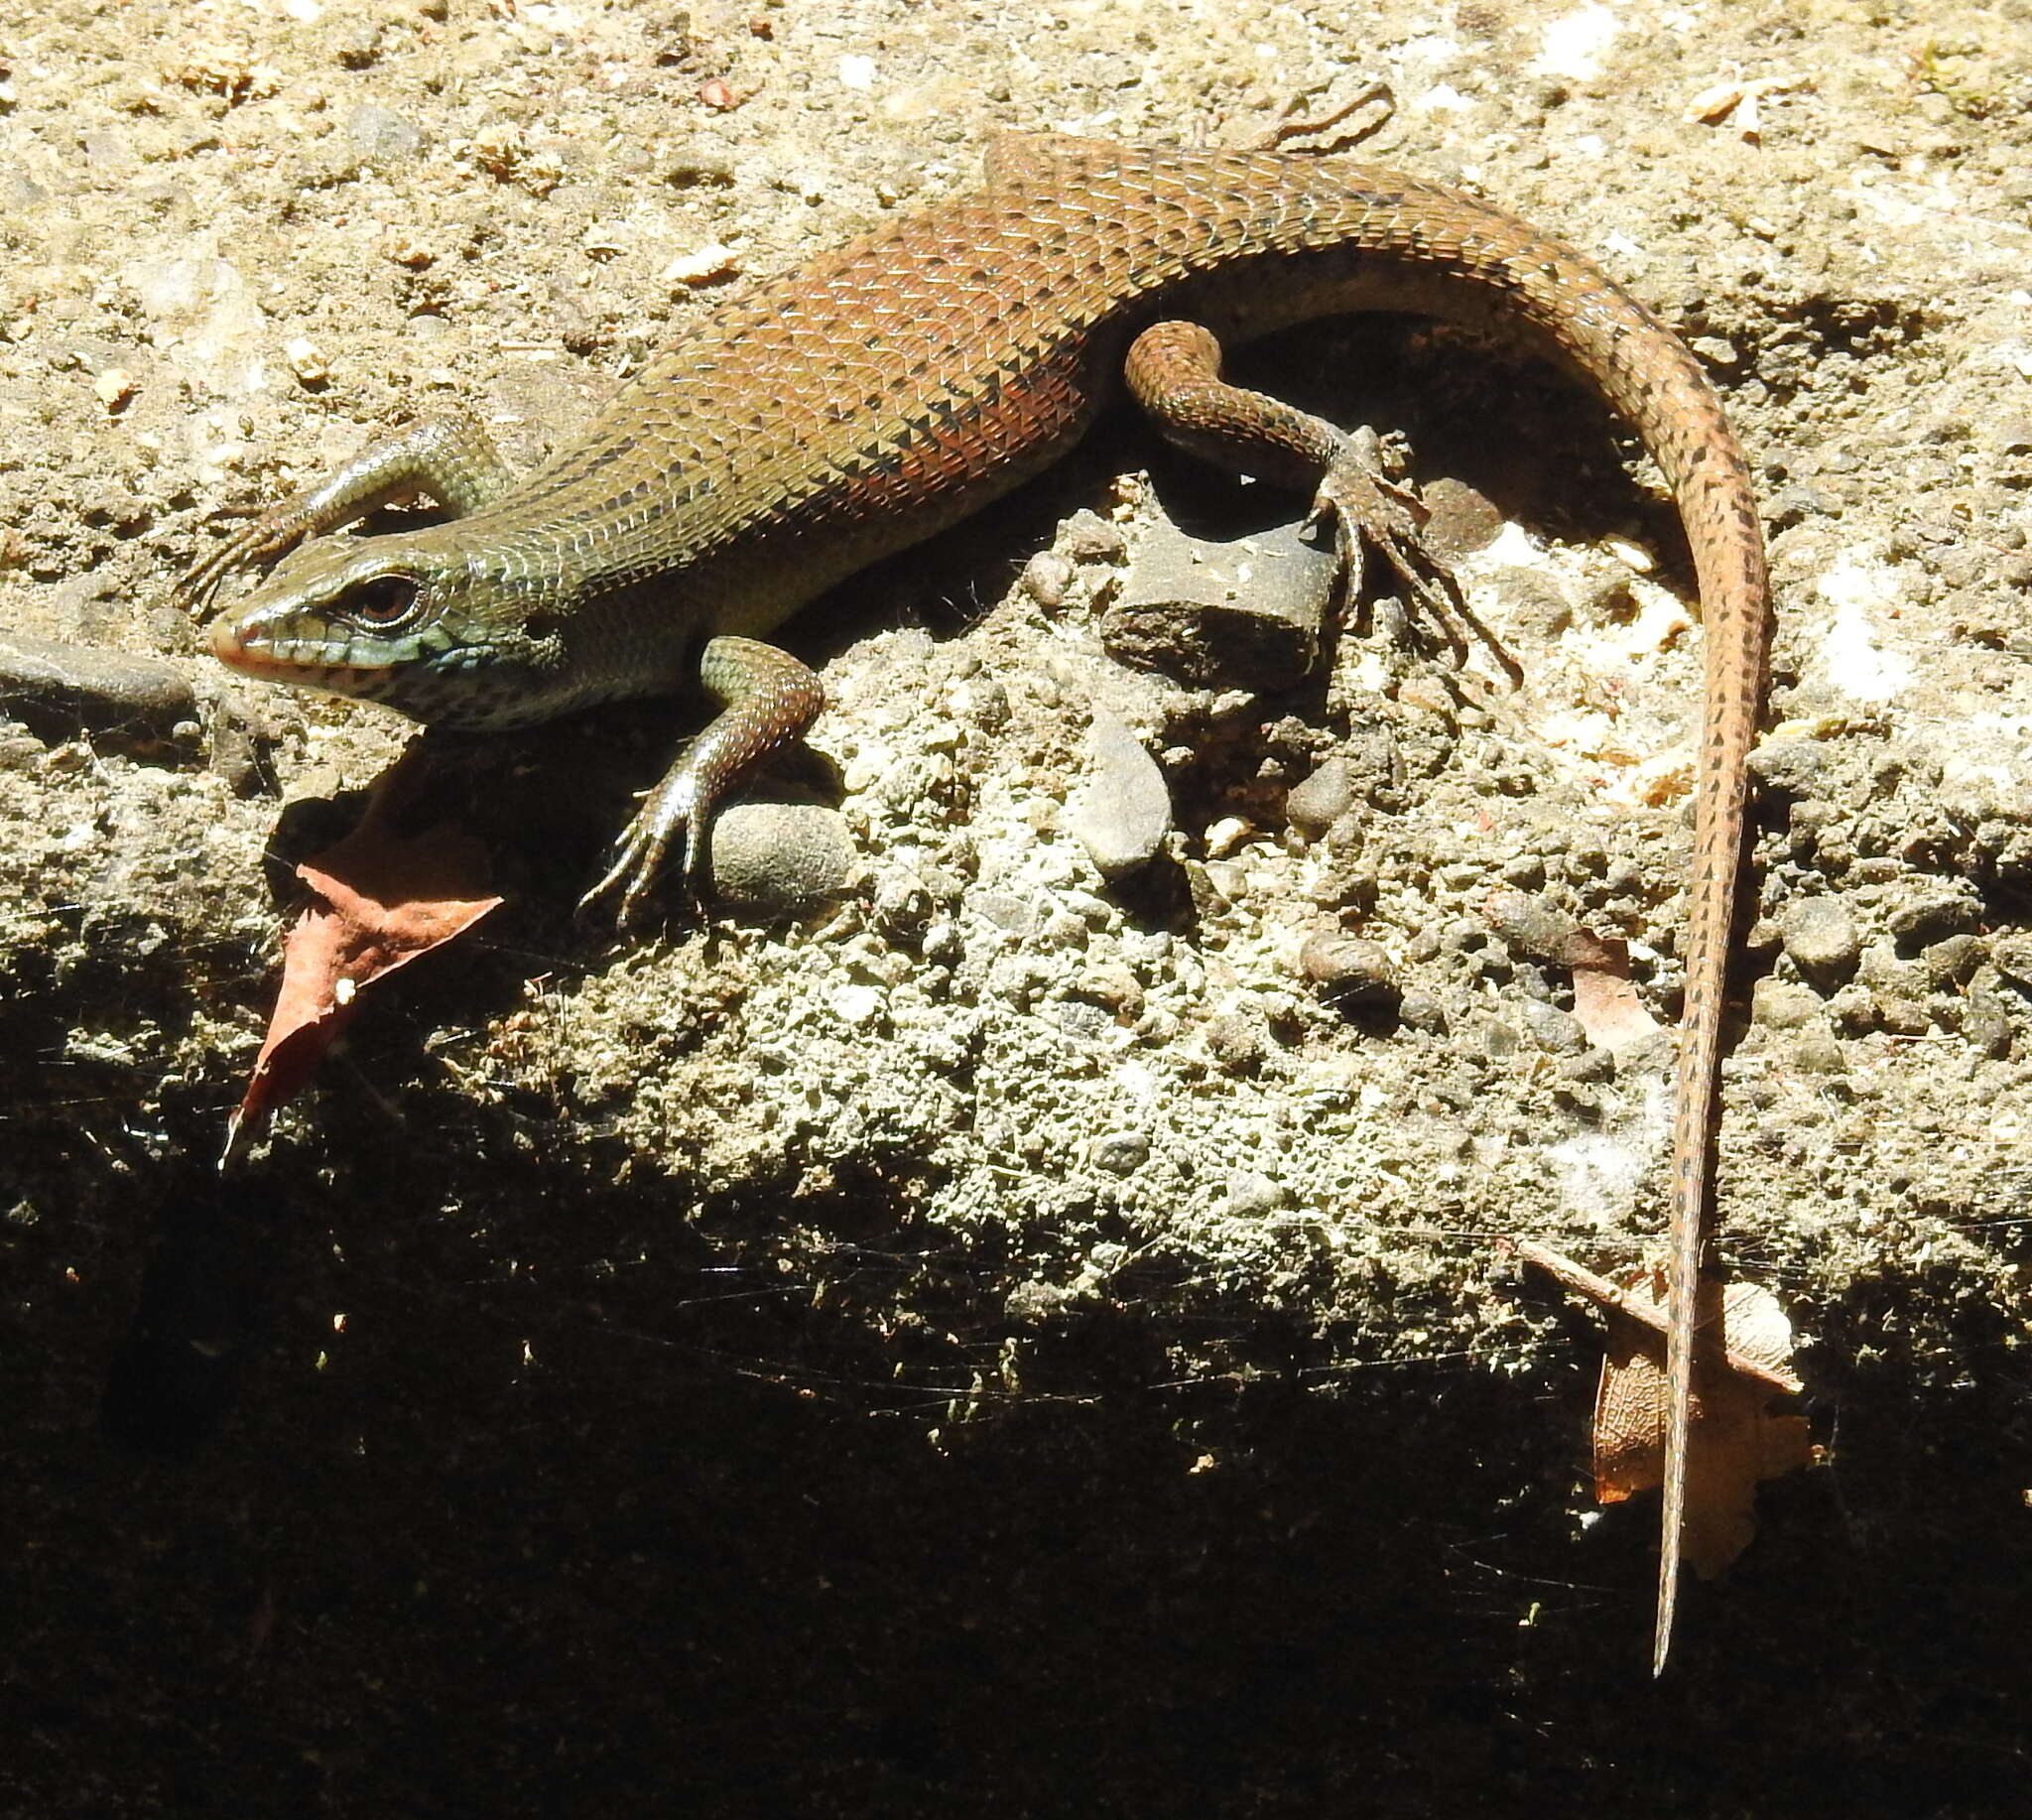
<point x="389" y="620"/>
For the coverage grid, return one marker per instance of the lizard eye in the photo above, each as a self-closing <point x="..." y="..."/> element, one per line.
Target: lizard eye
<point x="387" y="601"/>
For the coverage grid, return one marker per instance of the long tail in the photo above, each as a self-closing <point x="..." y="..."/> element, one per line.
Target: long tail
<point x="1654" y="382"/>
<point x="1736" y="602"/>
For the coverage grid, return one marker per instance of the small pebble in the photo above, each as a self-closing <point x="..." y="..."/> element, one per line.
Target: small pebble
<point x="1933" y="916"/>
<point x="307" y="360"/>
<point x="1089" y="537"/>
<point x="1460" y="521"/>
<point x="703" y="265"/>
<point x="1820" y="936"/>
<point x="1252" y="1196"/>
<point x="1048" y="579"/>
<point x="1121" y="1152"/>
<point x="1349" y="971"/>
<point x="1534" y="602"/>
<point x="1124" y="812"/>
<point x="1779" y="1005"/>
<point x="1314" y="806"/>
<point x="376" y="133"/>
<point x="1237" y="1042"/>
<point x="1533" y="926"/>
<point x="1423" y="1012"/>
<point x="115" y="387"/>
<point x="1555" y="1031"/>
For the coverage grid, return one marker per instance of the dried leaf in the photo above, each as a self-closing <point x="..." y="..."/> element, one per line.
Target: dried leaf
<point x="1740" y="97"/>
<point x="388" y="896"/>
<point x="1606" y="1003"/>
<point x="1735" y="1440"/>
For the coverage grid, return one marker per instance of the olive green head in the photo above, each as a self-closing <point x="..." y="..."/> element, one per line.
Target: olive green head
<point x="430" y="632"/>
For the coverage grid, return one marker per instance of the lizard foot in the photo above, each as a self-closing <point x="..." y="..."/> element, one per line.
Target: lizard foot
<point x="1370" y="511"/>
<point x="669" y="825"/>
<point x="270" y="534"/>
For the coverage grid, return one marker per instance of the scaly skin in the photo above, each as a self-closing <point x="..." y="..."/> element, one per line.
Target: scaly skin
<point x="879" y="393"/>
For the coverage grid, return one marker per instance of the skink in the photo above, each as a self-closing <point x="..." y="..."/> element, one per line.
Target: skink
<point x="882" y="392"/>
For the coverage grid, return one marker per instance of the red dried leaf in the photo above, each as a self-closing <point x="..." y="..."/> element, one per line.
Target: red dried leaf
<point x="387" y="897"/>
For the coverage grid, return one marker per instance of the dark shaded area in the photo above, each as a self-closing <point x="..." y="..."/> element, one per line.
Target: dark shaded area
<point x="584" y="1508"/>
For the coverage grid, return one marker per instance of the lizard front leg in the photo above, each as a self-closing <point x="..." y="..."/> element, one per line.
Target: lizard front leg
<point x="768" y="699"/>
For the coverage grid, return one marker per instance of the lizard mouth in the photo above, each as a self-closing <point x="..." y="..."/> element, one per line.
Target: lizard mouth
<point x="240" y="647"/>
<point x="232" y="650"/>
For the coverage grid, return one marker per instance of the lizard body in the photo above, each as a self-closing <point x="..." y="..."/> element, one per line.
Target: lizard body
<point x="876" y="394"/>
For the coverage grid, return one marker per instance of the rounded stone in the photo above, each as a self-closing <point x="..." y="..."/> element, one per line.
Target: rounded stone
<point x="778" y="862"/>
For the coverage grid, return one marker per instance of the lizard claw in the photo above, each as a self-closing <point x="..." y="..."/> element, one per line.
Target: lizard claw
<point x="671" y="817"/>
<point x="272" y="534"/>
<point x="1370" y="511"/>
<point x="769" y="698"/>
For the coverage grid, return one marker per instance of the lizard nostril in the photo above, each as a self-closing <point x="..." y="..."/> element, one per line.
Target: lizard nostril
<point x="226" y="643"/>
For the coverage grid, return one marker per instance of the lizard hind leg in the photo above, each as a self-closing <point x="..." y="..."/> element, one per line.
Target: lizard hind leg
<point x="1173" y="370"/>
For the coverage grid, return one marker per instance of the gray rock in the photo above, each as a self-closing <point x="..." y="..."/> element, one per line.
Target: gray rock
<point x="1535" y="926"/>
<point x="358" y="44"/>
<point x="1237" y="1042"/>
<point x="1820" y="936"/>
<point x="1800" y="767"/>
<point x="1089" y="537"/>
<point x="1587" y="1066"/>
<point x="2012" y="953"/>
<point x="1245" y="613"/>
<point x="109" y="154"/>
<point x="1013" y="915"/>
<point x="1253" y="1196"/>
<point x="774" y="862"/>
<point x="1314" y="806"/>
<point x="1534" y="601"/>
<point x="60" y="690"/>
<point x="1555" y="1031"/>
<point x="1121" y="1152"/>
<point x="1458" y="520"/>
<point x="1349" y="971"/>
<point x="1988" y="1022"/>
<point x="1951" y="962"/>
<point x="379" y="134"/>
<point x="1933" y="916"/>
<point x="1124" y="811"/>
<point x="1487" y="1038"/>
<point x="1048" y="579"/>
<point x="2013" y="436"/>
<point x="1375" y="765"/>
<point x="1778" y="1005"/>
<point x="1422" y="1012"/>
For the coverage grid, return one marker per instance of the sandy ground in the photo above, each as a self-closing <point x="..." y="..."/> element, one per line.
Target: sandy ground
<point x="1011" y="1339"/>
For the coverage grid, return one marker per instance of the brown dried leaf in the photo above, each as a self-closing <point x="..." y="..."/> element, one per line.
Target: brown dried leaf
<point x="1735" y="1440"/>
<point x="1606" y="1003"/>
